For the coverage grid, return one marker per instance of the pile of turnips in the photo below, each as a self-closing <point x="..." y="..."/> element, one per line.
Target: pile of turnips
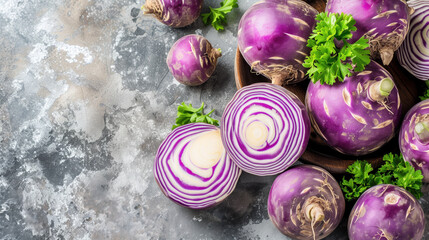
<point x="352" y="102"/>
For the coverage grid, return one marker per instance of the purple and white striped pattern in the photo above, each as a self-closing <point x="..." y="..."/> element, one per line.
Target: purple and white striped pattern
<point x="184" y="182"/>
<point x="413" y="54"/>
<point x="285" y="119"/>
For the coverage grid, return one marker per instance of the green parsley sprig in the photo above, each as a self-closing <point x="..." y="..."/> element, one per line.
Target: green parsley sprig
<point x="425" y="95"/>
<point x="217" y="16"/>
<point x="395" y="171"/>
<point x="326" y="62"/>
<point x="188" y="114"/>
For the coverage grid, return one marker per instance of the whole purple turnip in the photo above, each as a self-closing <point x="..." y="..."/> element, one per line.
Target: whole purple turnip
<point x="356" y="116"/>
<point x="384" y="23"/>
<point x="272" y="37"/>
<point x="192" y="60"/>
<point x="306" y="202"/>
<point x="414" y="138"/>
<point x="386" y="212"/>
<point x="174" y="13"/>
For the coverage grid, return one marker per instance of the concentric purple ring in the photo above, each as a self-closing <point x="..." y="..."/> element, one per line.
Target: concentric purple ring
<point x="285" y="118"/>
<point x="185" y="183"/>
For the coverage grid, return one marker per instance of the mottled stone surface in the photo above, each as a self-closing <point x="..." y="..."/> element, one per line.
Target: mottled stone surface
<point x="85" y="100"/>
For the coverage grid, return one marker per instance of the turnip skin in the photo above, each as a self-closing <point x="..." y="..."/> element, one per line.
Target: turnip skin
<point x="415" y="146"/>
<point x="272" y="37"/>
<point x="301" y="192"/>
<point x="174" y="13"/>
<point x="192" y="60"/>
<point x="384" y="23"/>
<point x="347" y="118"/>
<point x="386" y="212"/>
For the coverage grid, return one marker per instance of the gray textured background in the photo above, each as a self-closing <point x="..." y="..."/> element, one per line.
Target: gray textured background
<point x="85" y="100"/>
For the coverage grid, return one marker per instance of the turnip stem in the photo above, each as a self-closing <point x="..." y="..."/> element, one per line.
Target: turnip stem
<point x="427" y="83"/>
<point x="422" y="131"/>
<point x="379" y="90"/>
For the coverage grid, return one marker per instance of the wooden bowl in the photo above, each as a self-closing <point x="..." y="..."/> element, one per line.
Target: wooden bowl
<point x="318" y="152"/>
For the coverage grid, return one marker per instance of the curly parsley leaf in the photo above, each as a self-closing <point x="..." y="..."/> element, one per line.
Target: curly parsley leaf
<point x="327" y="63"/>
<point x="425" y="95"/>
<point x="394" y="171"/>
<point x="188" y="114"/>
<point x="360" y="181"/>
<point x="217" y="16"/>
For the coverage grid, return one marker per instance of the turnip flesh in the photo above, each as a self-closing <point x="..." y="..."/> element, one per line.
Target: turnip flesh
<point x="413" y="54"/>
<point x="265" y="129"/>
<point x="192" y="168"/>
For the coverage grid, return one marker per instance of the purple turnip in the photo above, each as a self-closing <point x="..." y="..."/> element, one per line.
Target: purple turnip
<point x="384" y="23"/>
<point x="174" y="13"/>
<point x="386" y="212"/>
<point x="265" y="129"/>
<point x="192" y="169"/>
<point x="192" y="60"/>
<point x="306" y="202"/>
<point x="413" y="54"/>
<point x="272" y="37"/>
<point x="356" y="116"/>
<point x="414" y="138"/>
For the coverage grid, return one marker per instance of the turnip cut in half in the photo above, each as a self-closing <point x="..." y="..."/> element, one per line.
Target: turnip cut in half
<point x="192" y="168"/>
<point x="265" y="129"/>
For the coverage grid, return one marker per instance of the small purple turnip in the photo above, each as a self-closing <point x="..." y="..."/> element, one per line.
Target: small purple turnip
<point x="414" y="138"/>
<point x="356" y="116"/>
<point x="174" y="13"/>
<point x="386" y="212"/>
<point x="306" y="202"/>
<point x="272" y="37"/>
<point x="192" y="60"/>
<point x="384" y="23"/>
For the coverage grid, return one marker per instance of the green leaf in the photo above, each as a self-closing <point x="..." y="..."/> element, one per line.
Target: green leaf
<point x="217" y="16"/>
<point x="326" y="62"/>
<point x="395" y="170"/>
<point x="188" y="114"/>
<point x="425" y="95"/>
